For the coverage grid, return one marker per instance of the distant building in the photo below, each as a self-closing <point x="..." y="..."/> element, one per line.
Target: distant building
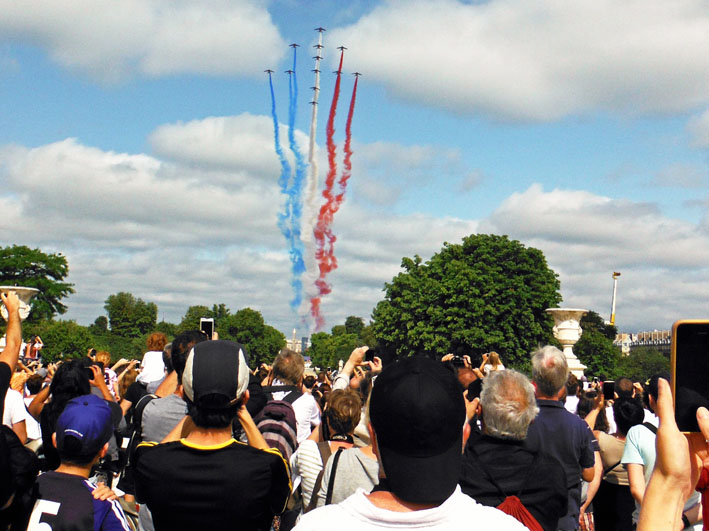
<point x="656" y="339"/>
<point x="298" y="345"/>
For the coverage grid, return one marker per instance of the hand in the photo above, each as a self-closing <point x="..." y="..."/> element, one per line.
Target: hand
<point x="358" y="373"/>
<point x="103" y="492"/>
<point x="11" y="302"/>
<point x="599" y="401"/>
<point x="357" y="356"/>
<point x="98" y="379"/>
<point x="486" y="357"/>
<point x="447" y="357"/>
<point x="471" y="406"/>
<point x="466" y="361"/>
<point x="375" y="365"/>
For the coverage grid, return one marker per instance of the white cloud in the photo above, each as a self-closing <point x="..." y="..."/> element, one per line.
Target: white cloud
<point x="663" y="261"/>
<point x="681" y="176"/>
<point x="535" y="59"/>
<point x="698" y="129"/>
<point x="111" y="40"/>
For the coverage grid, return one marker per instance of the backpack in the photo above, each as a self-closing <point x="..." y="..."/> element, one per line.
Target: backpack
<point x="512" y="505"/>
<point x="276" y="421"/>
<point x="136" y="431"/>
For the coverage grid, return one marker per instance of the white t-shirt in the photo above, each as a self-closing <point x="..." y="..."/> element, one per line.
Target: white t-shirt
<point x="34" y="431"/>
<point x="15" y="410"/>
<point x="306" y="411"/>
<point x="357" y="513"/>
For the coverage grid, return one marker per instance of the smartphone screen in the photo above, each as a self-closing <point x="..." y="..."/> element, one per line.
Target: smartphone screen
<point x="690" y="370"/>
<point x="206" y="325"/>
<point x="608" y="390"/>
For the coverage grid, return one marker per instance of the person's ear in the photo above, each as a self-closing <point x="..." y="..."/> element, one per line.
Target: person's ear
<point x="245" y="397"/>
<point x="466" y="432"/>
<point x="103" y="451"/>
<point x="54" y="439"/>
<point x="373" y="439"/>
<point x="478" y="410"/>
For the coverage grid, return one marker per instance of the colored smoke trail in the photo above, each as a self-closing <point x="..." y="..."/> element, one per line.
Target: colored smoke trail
<point x="293" y="206"/>
<point x="322" y="231"/>
<point x="347" y="162"/>
<point x="285" y="167"/>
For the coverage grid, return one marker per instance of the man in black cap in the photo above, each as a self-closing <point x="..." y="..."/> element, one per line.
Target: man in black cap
<point x="417" y="426"/>
<point x="200" y="477"/>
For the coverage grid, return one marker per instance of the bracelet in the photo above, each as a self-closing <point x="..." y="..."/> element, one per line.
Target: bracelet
<point x="685" y="521"/>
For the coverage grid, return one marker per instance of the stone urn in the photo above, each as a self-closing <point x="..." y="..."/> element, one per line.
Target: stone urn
<point x="567" y="331"/>
<point x="25" y="295"/>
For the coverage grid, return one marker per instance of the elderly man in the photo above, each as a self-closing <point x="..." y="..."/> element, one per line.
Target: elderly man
<point x="496" y="463"/>
<point x="560" y="434"/>
<point x="417" y="422"/>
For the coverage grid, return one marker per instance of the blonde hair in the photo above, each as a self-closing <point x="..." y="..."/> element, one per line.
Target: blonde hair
<point x="495" y="359"/>
<point x="104" y="357"/>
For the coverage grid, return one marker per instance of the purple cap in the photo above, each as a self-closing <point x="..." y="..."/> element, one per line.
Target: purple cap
<point x="83" y="427"/>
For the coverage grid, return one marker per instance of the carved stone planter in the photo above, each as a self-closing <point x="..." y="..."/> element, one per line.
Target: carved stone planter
<point x="567" y="331"/>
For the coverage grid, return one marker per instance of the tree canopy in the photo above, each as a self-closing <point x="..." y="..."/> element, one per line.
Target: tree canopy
<point x="595" y="348"/>
<point x="486" y="293"/>
<point x="129" y="316"/>
<point x="22" y="266"/>
<point x="247" y="327"/>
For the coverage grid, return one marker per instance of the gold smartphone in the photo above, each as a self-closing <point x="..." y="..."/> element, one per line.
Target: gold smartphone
<point x="690" y="370"/>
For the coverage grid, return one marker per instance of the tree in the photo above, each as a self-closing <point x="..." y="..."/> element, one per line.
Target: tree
<point x="247" y="327"/>
<point x="595" y="348"/>
<point x="354" y="325"/>
<point x="642" y="363"/>
<point x="99" y="326"/>
<point x="130" y="317"/>
<point x="486" y="293"/>
<point x="327" y="350"/>
<point x="191" y="319"/>
<point x="22" y="266"/>
<point x="66" y="339"/>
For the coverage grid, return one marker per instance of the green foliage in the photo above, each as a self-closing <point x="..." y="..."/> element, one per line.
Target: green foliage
<point x="487" y="293"/>
<point x="327" y="350"/>
<point x="354" y="325"/>
<point x="169" y="329"/>
<point x="338" y="330"/>
<point x="99" y="326"/>
<point x="66" y="339"/>
<point x="247" y="327"/>
<point x="595" y="348"/>
<point x="130" y="317"/>
<point x="642" y="363"/>
<point x="191" y="319"/>
<point x="22" y="266"/>
<point x="120" y="347"/>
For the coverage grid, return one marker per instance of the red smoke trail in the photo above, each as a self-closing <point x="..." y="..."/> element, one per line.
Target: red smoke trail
<point x="321" y="231"/>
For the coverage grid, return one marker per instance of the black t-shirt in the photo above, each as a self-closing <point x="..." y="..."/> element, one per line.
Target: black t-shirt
<point x="135" y="392"/>
<point x="64" y="503"/>
<point x="538" y="479"/>
<point x="5" y="375"/>
<point x="220" y="487"/>
<point x="6" y="486"/>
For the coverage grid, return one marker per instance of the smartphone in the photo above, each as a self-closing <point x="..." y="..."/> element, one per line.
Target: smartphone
<point x="369" y="355"/>
<point x="206" y="325"/>
<point x="689" y="368"/>
<point x="609" y="390"/>
<point x="474" y="389"/>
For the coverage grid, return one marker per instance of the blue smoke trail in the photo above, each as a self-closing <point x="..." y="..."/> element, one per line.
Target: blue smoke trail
<point x="294" y="202"/>
<point x="285" y="167"/>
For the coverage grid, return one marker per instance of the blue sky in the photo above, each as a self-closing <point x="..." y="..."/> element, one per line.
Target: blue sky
<point x="135" y="137"/>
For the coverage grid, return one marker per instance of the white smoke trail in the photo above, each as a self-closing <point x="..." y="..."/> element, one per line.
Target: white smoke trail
<point x="310" y="217"/>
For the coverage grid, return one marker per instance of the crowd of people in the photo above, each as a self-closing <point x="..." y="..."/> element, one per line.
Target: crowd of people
<point x="194" y="437"/>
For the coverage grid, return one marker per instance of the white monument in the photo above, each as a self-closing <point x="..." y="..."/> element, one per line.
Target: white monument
<point x="567" y="331"/>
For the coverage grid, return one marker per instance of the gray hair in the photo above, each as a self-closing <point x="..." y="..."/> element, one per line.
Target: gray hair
<point x="549" y="370"/>
<point x="508" y="405"/>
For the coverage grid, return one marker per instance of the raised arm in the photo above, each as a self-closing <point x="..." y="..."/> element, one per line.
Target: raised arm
<point x="14" y="329"/>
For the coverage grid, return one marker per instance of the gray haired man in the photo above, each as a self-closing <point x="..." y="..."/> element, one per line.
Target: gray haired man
<point x="496" y="462"/>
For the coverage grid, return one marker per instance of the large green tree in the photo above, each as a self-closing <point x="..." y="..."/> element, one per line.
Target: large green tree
<point x="248" y="328"/>
<point x="486" y="293"/>
<point x="642" y="363"/>
<point x="129" y="316"/>
<point x="66" y="339"/>
<point x="22" y="266"/>
<point x="595" y="349"/>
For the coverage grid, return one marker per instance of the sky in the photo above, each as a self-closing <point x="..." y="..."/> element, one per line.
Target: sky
<point x="137" y="139"/>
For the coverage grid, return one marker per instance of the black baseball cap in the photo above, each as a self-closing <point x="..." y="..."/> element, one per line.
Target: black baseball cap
<point x="215" y="369"/>
<point x="417" y="413"/>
